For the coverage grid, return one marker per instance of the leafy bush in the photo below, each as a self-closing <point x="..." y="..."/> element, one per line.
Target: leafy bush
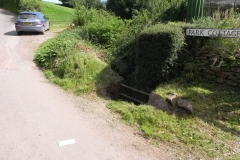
<point x="157" y="50"/>
<point x="100" y="27"/>
<point x="66" y="62"/>
<point x="223" y="20"/>
<point x="174" y="13"/>
<point x="12" y="5"/>
<point x="123" y="61"/>
<point x="30" y="5"/>
<point x="83" y="15"/>
<point x="106" y="31"/>
<point x="56" y="48"/>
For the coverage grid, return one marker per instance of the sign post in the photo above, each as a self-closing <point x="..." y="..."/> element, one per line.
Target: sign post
<point x="202" y="32"/>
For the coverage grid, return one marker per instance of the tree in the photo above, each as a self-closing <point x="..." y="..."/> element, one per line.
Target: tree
<point x="88" y="3"/>
<point x="125" y="8"/>
<point x="12" y="5"/>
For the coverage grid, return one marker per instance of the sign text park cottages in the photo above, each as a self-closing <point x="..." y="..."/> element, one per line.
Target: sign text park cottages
<point x="228" y="33"/>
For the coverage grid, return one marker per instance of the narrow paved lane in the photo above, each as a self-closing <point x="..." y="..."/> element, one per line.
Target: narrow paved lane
<point x="35" y="115"/>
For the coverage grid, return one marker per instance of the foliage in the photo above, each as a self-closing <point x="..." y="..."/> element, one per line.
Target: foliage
<point x="83" y="15"/>
<point x="224" y="47"/>
<point x="67" y="63"/>
<point x="30" y="5"/>
<point x="174" y="13"/>
<point x="12" y="5"/>
<point x="157" y="50"/>
<point x="99" y="26"/>
<point x="105" y="31"/>
<point x="126" y="8"/>
<point x="211" y="132"/>
<point x="123" y="61"/>
<point x="21" y="5"/>
<point x="86" y="3"/>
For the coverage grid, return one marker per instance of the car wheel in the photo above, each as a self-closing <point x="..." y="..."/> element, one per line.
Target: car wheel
<point x="48" y="26"/>
<point x="19" y="33"/>
<point x="43" y="29"/>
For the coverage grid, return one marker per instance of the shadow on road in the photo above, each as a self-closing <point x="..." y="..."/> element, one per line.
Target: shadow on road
<point x="6" y="12"/>
<point x="2" y="11"/>
<point x="14" y="33"/>
<point x="11" y="33"/>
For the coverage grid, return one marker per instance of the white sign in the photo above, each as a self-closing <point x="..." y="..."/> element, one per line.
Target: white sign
<point x="228" y="33"/>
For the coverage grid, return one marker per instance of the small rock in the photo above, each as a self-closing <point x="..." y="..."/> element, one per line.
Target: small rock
<point x="185" y="105"/>
<point x="158" y="102"/>
<point x="172" y="99"/>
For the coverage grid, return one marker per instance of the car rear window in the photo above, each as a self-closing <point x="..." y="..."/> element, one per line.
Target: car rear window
<point x="27" y="16"/>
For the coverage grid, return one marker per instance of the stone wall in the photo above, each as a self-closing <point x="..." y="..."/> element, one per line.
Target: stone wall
<point x="212" y="67"/>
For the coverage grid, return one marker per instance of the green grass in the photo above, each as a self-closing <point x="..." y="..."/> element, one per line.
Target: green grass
<point x="73" y="64"/>
<point x="60" y="17"/>
<point x="211" y="132"/>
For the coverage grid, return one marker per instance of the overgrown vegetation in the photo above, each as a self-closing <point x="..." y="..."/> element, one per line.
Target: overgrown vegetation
<point x="10" y="5"/>
<point x="30" y="5"/>
<point x="70" y="63"/>
<point x="99" y="26"/>
<point x="126" y="9"/>
<point x="21" y="5"/>
<point x="86" y="3"/>
<point x="69" y="60"/>
<point x="211" y="132"/>
<point x="156" y="47"/>
<point x="226" y="48"/>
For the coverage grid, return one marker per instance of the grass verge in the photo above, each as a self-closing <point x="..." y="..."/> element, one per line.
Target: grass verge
<point x="59" y="16"/>
<point x="211" y="132"/>
<point x="72" y="64"/>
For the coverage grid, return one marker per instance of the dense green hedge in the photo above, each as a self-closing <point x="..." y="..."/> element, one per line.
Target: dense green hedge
<point x="30" y="5"/>
<point x="21" y="5"/>
<point x="156" y="53"/>
<point x="12" y="5"/>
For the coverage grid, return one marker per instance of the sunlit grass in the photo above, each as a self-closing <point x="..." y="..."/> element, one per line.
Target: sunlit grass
<point x="212" y="131"/>
<point x="72" y="64"/>
<point x="60" y="17"/>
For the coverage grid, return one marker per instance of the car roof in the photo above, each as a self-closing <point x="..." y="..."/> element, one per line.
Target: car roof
<point x="25" y="12"/>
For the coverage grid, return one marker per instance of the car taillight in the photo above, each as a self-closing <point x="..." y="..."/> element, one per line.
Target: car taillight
<point x="38" y="23"/>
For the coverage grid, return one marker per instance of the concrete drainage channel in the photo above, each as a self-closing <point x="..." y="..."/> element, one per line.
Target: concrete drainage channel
<point x="132" y="94"/>
<point x="171" y="103"/>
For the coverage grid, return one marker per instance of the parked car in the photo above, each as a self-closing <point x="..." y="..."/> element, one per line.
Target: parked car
<point x="31" y="22"/>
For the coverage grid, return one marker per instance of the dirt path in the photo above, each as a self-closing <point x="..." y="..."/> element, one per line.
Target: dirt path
<point x="35" y="115"/>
